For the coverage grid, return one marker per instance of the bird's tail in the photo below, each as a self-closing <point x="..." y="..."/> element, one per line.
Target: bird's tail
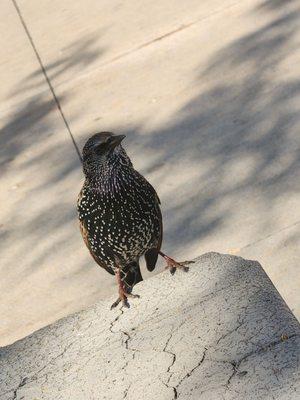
<point x="132" y="274"/>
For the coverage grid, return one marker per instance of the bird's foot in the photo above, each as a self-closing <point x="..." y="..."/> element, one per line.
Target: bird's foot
<point x="123" y="297"/>
<point x="123" y="293"/>
<point x="173" y="265"/>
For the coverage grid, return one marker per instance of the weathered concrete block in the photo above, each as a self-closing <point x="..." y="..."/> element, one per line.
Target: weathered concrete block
<point x="221" y="331"/>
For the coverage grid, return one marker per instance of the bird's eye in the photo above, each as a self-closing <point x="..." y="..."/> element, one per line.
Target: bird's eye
<point x="100" y="148"/>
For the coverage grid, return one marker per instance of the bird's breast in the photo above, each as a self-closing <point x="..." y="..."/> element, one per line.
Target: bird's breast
<point x="123" y="222"/>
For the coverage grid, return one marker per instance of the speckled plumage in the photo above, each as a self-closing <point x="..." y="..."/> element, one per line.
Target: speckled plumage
<point x="118" y="210"/>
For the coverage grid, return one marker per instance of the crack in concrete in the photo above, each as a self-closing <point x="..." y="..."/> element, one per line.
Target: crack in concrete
<point x="128" y="337"/>
<point x="187" y="375"/>
<point x="124" y="342"/>
<point x="230" y="332"/>
<point x="125" y="338"/>
<point x="175" y="394"/>
<point x="173" y="355"/>
<point x="115" y="320"/>
<point x="236" y="364"/>
<point x="126" y="392"/>
<point x="193" y="369"/>
<point x="22" y="383"/>
<point x="206" y="297"/>
<point x="28" y="379"/>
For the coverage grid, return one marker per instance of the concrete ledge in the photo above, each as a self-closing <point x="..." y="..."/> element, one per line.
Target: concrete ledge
<point x="221" y="331"/>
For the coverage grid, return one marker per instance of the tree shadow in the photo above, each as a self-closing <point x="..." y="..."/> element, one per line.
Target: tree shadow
<point x="237" y="139"/>
<point x="77" y="55"/>
<point x="40" y="175"/>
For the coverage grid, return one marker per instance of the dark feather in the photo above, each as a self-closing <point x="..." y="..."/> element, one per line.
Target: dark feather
<point x="84" y="234"/>
<point x="151" y="259"/>
<point x="132" y="274"/>
<point x="151" y="255"/>
<point x="118" y="209"/>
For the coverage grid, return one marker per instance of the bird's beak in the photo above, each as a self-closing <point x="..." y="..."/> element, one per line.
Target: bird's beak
<point x="115" y="140"/>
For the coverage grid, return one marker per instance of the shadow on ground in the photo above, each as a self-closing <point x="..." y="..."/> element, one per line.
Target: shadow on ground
<point x="240" y="137"/>
<point x="242" y="131"/>
<point x="40" y="177"/>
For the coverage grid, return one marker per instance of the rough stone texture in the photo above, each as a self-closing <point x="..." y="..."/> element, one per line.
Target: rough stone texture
<point x="221" y="331"/>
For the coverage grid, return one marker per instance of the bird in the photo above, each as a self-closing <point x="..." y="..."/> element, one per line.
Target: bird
<point x="119" y="214"/>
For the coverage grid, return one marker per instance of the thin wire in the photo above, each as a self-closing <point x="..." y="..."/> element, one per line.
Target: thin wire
<point x="47" y="78"/>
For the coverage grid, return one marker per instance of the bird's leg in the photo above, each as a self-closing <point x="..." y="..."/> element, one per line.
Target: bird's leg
<point x="123" y="294"/>
<point x="172" y="265"/>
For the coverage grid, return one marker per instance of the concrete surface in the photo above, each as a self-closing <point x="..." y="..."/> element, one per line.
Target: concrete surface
<point x="221" y="331"/>
<point x="208" y="95"/>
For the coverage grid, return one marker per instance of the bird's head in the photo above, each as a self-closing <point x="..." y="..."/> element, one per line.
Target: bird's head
<point x="103" y="153"/>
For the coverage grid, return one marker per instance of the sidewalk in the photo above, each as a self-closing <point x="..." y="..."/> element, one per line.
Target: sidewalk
<point x="208" y="95"/>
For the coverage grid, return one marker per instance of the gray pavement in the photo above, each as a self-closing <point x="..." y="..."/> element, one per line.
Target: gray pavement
<point x="208" y="95"/>
<point x="220" y="331"/>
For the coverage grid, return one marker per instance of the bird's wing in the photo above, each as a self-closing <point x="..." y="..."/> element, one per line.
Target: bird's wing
<point x="151" y="255"/>
<point x="84" y="234"/>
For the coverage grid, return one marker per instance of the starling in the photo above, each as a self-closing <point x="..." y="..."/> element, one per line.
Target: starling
<point x="119" y="214"/>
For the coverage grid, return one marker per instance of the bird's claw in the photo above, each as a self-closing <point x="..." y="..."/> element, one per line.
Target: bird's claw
<point x="173" y="268"/>
<point x="115" y="303"/>
<point x="187" y="262"/>
<point x="173" y="265"/>
<point x="133" y="296"/>
<point x="125" y="303"/>
<point x="124" y="300"/>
